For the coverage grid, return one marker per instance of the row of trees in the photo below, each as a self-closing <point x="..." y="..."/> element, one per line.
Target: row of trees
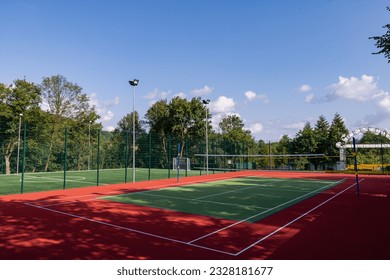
<point x="46" y="109"/>
<point x="55" y="104"/>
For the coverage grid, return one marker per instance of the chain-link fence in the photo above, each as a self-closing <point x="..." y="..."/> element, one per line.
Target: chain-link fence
<point x="34" y="161"/>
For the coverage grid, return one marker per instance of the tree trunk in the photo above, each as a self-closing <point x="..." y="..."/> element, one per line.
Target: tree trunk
<point x="8" y="151"/>
<point x="50" y="147"/>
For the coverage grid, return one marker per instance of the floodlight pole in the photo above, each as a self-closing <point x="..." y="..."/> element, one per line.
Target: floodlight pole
<point x="89" y="145"/>
<point x="134" y="83"/>
<point x="205" y="102"/>
<point x="17" y="160"/>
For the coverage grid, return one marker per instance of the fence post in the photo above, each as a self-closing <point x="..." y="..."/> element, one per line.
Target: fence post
<point x="186" y="155"/>
<point x="126" y="154"/>
<point x="150" y="154"/>
<point x="23" y="158"/>
<point x="65" y="157"/>
<point x="169" y="156"/>
<point x="98" y="160"/>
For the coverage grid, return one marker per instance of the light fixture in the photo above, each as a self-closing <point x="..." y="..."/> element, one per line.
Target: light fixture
<point x="134" y="82"/>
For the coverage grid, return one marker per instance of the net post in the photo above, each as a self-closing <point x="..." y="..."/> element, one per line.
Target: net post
<point x="355" y="166"/>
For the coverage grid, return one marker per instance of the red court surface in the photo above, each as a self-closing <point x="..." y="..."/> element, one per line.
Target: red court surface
<point x="72" y="224"/>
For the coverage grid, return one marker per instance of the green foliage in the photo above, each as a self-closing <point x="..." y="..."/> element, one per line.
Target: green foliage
<point x="178" y="122"/>
<point x="336" y="131"/>
<point x="181" y="119"/>
<point x="383" y="42"/>
<point x="232" y="129"/>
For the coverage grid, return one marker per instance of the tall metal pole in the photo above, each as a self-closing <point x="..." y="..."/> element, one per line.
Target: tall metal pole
<point x="134" y="83"/>
<point x="20" y="126"/>
<point x="355" y="166"/>
<point x="207" y="144"/>
<point x="133" y="134"/>
<point x="205" y="102"/>
<point x="89" y="146"/>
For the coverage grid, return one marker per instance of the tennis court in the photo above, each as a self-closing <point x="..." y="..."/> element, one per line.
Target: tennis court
<point x="241" y="199"/>
<point x="238" y="215"/>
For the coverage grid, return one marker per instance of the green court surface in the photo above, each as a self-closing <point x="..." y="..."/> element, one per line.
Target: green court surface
<point x="242" y="199"/>
<point x="43" y="181"/>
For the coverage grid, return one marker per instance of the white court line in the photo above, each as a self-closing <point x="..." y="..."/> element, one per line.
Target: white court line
<point x="190" y="243"/>
<point x="222" y="193"/>
<point x="296" y="219"/>
<point x="196" y="199"/>
<point x="266" y="211"/>
<point x="171" y="184"/>
<point x="127" y="229"/>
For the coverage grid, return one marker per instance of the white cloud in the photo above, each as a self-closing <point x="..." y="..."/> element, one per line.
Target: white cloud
<point x="309" y="98"/>
<point x="222" y="105"/>
<point x="264" y="98"/>
<point x="384" y="103"/>
<point x="294" y="126"/>
<point x="156" y="94"/>
<point x="251" y="95"/>
<point x="304" y="88"/>
<point x="103" y="108"/>
<point x="217" y="118"/>
<point x="221" y="108"/>
<point x="110" y="128"/>
<point x="181" y="95"/>
<point x="256" y="128"/>
<point x="202" y="91"/>
<point x="362" y="89"/>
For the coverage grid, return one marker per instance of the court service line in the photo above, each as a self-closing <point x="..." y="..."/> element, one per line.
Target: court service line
<point x="266" y="211"/>
<point x="222" y="193"/>
<point x="296" y="219"/>
<point x="173" y="184"/>
<point x="190" y="243"/>
<point x="197" y="200"/>
<point x="127" y="229"/>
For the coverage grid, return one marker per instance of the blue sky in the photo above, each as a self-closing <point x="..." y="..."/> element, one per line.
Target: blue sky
<point x="277" y="64"/>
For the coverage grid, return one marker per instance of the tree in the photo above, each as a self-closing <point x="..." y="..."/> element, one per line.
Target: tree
<point x="305" y="140"/>
<point x="158" y="118"/>
<point x="232" y="128"/>
<point x="283" y="147"/>
<point x="336" y="131"/>
<point x="126" y="124"/>
<point x="187" y="119"/>
<point x="180" y="118"/>
<point x="321" y="133"/>
<point x="383" y="42"/>
<point x="304" y="143"/>
<point x="67" y="106"/>
<point x="372" y="155"/>
<point x="17" y="102"/>
<point x="263" y="148"/>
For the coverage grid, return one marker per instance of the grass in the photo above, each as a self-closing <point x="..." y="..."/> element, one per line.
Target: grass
<point x="43" y="181"/>
<point x="248" y="198"/>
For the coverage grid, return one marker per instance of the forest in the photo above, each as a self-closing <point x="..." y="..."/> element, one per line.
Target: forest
<point x="46" y="126"/>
